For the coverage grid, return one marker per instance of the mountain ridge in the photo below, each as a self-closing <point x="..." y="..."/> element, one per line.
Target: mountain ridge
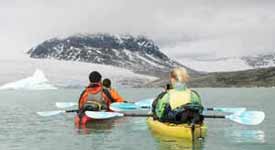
<point x="138" y="54"/>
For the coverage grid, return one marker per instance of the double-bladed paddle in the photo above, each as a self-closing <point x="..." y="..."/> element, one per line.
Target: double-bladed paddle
<point x="146" y="104"/>
<point x="135" y="106"/>
<point x="245" y="117"/>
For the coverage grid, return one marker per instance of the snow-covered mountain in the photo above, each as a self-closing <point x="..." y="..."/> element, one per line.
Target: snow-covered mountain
<point x="260" y="61"/>
<point x="227" y="64"/>
<point x="138" y="54"/>
<point x="123" y="58"/>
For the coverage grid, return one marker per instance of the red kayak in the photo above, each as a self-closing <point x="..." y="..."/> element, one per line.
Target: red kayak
<point x="83" y="121"/>
<point x="88" y="125"/>
<point x="98" y="117"/>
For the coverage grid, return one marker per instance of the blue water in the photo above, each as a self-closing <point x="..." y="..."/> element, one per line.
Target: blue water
<point x="22" y="129"/>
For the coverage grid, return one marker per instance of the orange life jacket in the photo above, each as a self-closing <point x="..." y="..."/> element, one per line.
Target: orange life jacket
<point x="116" y="97"/>
<point x="93" y="91"/>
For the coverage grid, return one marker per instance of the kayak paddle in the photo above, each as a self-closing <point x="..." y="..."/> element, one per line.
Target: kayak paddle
<point x="134" y="106"/>
<point x="226" y="109"/>
<point x="65" y="104"/>
<point x="103" y="114"/>
<point x="245" y="117"/>
<point x="55" y="112"/>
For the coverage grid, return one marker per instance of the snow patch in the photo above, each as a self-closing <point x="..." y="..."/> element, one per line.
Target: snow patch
<point x="148" y="61"/>
<point x="129" y="54"/>
<point x="219" y="65"/>
<point x="117" y="53"/>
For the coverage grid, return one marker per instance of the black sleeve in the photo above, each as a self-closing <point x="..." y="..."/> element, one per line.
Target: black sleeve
<point x="107" y="93"/>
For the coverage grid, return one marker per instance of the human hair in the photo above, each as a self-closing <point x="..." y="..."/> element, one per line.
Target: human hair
<point x="180" y="75"/>
<point x="95" y="77"/>
<point x="106" y="83"/>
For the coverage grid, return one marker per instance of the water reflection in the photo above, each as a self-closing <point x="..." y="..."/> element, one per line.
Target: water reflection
<point x="245" y="135"/>
<point x="99" y="126"/>
<point x="170" y="143"/>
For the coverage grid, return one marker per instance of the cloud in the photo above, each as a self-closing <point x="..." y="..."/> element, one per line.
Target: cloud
<point x="180" y="27"/>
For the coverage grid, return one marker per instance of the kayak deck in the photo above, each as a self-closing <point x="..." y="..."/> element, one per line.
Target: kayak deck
<point x="176" y="130"/>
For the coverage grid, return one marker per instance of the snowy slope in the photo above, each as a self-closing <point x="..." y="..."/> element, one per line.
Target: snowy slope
<point x="218" y="65"/>
<point x="226" y="64"/>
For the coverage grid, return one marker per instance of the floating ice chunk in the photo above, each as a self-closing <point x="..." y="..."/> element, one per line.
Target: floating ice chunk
<point x="37" y="81"/>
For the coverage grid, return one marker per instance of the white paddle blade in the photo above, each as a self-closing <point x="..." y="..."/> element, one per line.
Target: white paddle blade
<point x="229" y="109"/>
<point x="65" y="104"/>
<point x="145" y="103"/>
<point x="248" y="117"/>
<point x="50" y="113"/>
<point x="103" y="115"/>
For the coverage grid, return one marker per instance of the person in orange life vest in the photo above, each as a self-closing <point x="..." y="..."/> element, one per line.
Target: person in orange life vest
<point x="94" y="97"/>
<point x="115" y="97"/>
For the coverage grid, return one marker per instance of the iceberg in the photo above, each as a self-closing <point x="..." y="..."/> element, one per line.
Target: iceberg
<point x="37" y="81"/>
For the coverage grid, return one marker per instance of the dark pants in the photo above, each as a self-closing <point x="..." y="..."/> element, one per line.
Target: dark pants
<point x="190" y="117"/>
<point x="183" y="115"/>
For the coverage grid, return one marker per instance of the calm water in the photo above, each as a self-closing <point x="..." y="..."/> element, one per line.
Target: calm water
<point x="22" y="129"/>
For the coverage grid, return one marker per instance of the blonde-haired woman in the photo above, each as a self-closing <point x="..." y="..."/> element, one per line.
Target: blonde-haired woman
<point x="179" y="104"/>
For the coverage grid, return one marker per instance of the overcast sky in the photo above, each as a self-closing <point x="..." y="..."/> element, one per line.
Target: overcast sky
<point x="181" y="27"/>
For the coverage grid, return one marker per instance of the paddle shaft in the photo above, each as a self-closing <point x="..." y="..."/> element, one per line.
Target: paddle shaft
<point x="214" y="116"/>
<point x="133" y="106"/>
<point x="148" y="107"/>
<point x="138" y="115"/>
<point x="150" y="115"/>
<point x="74" y="110"/>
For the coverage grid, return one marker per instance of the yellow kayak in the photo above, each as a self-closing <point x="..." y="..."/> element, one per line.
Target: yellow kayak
<point x="176" y="130"/>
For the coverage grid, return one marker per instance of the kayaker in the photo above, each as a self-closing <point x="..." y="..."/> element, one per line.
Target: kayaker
<point x="94" y="97"/>
<point x="113" y="94"/>
<point x="179" y="104"/>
